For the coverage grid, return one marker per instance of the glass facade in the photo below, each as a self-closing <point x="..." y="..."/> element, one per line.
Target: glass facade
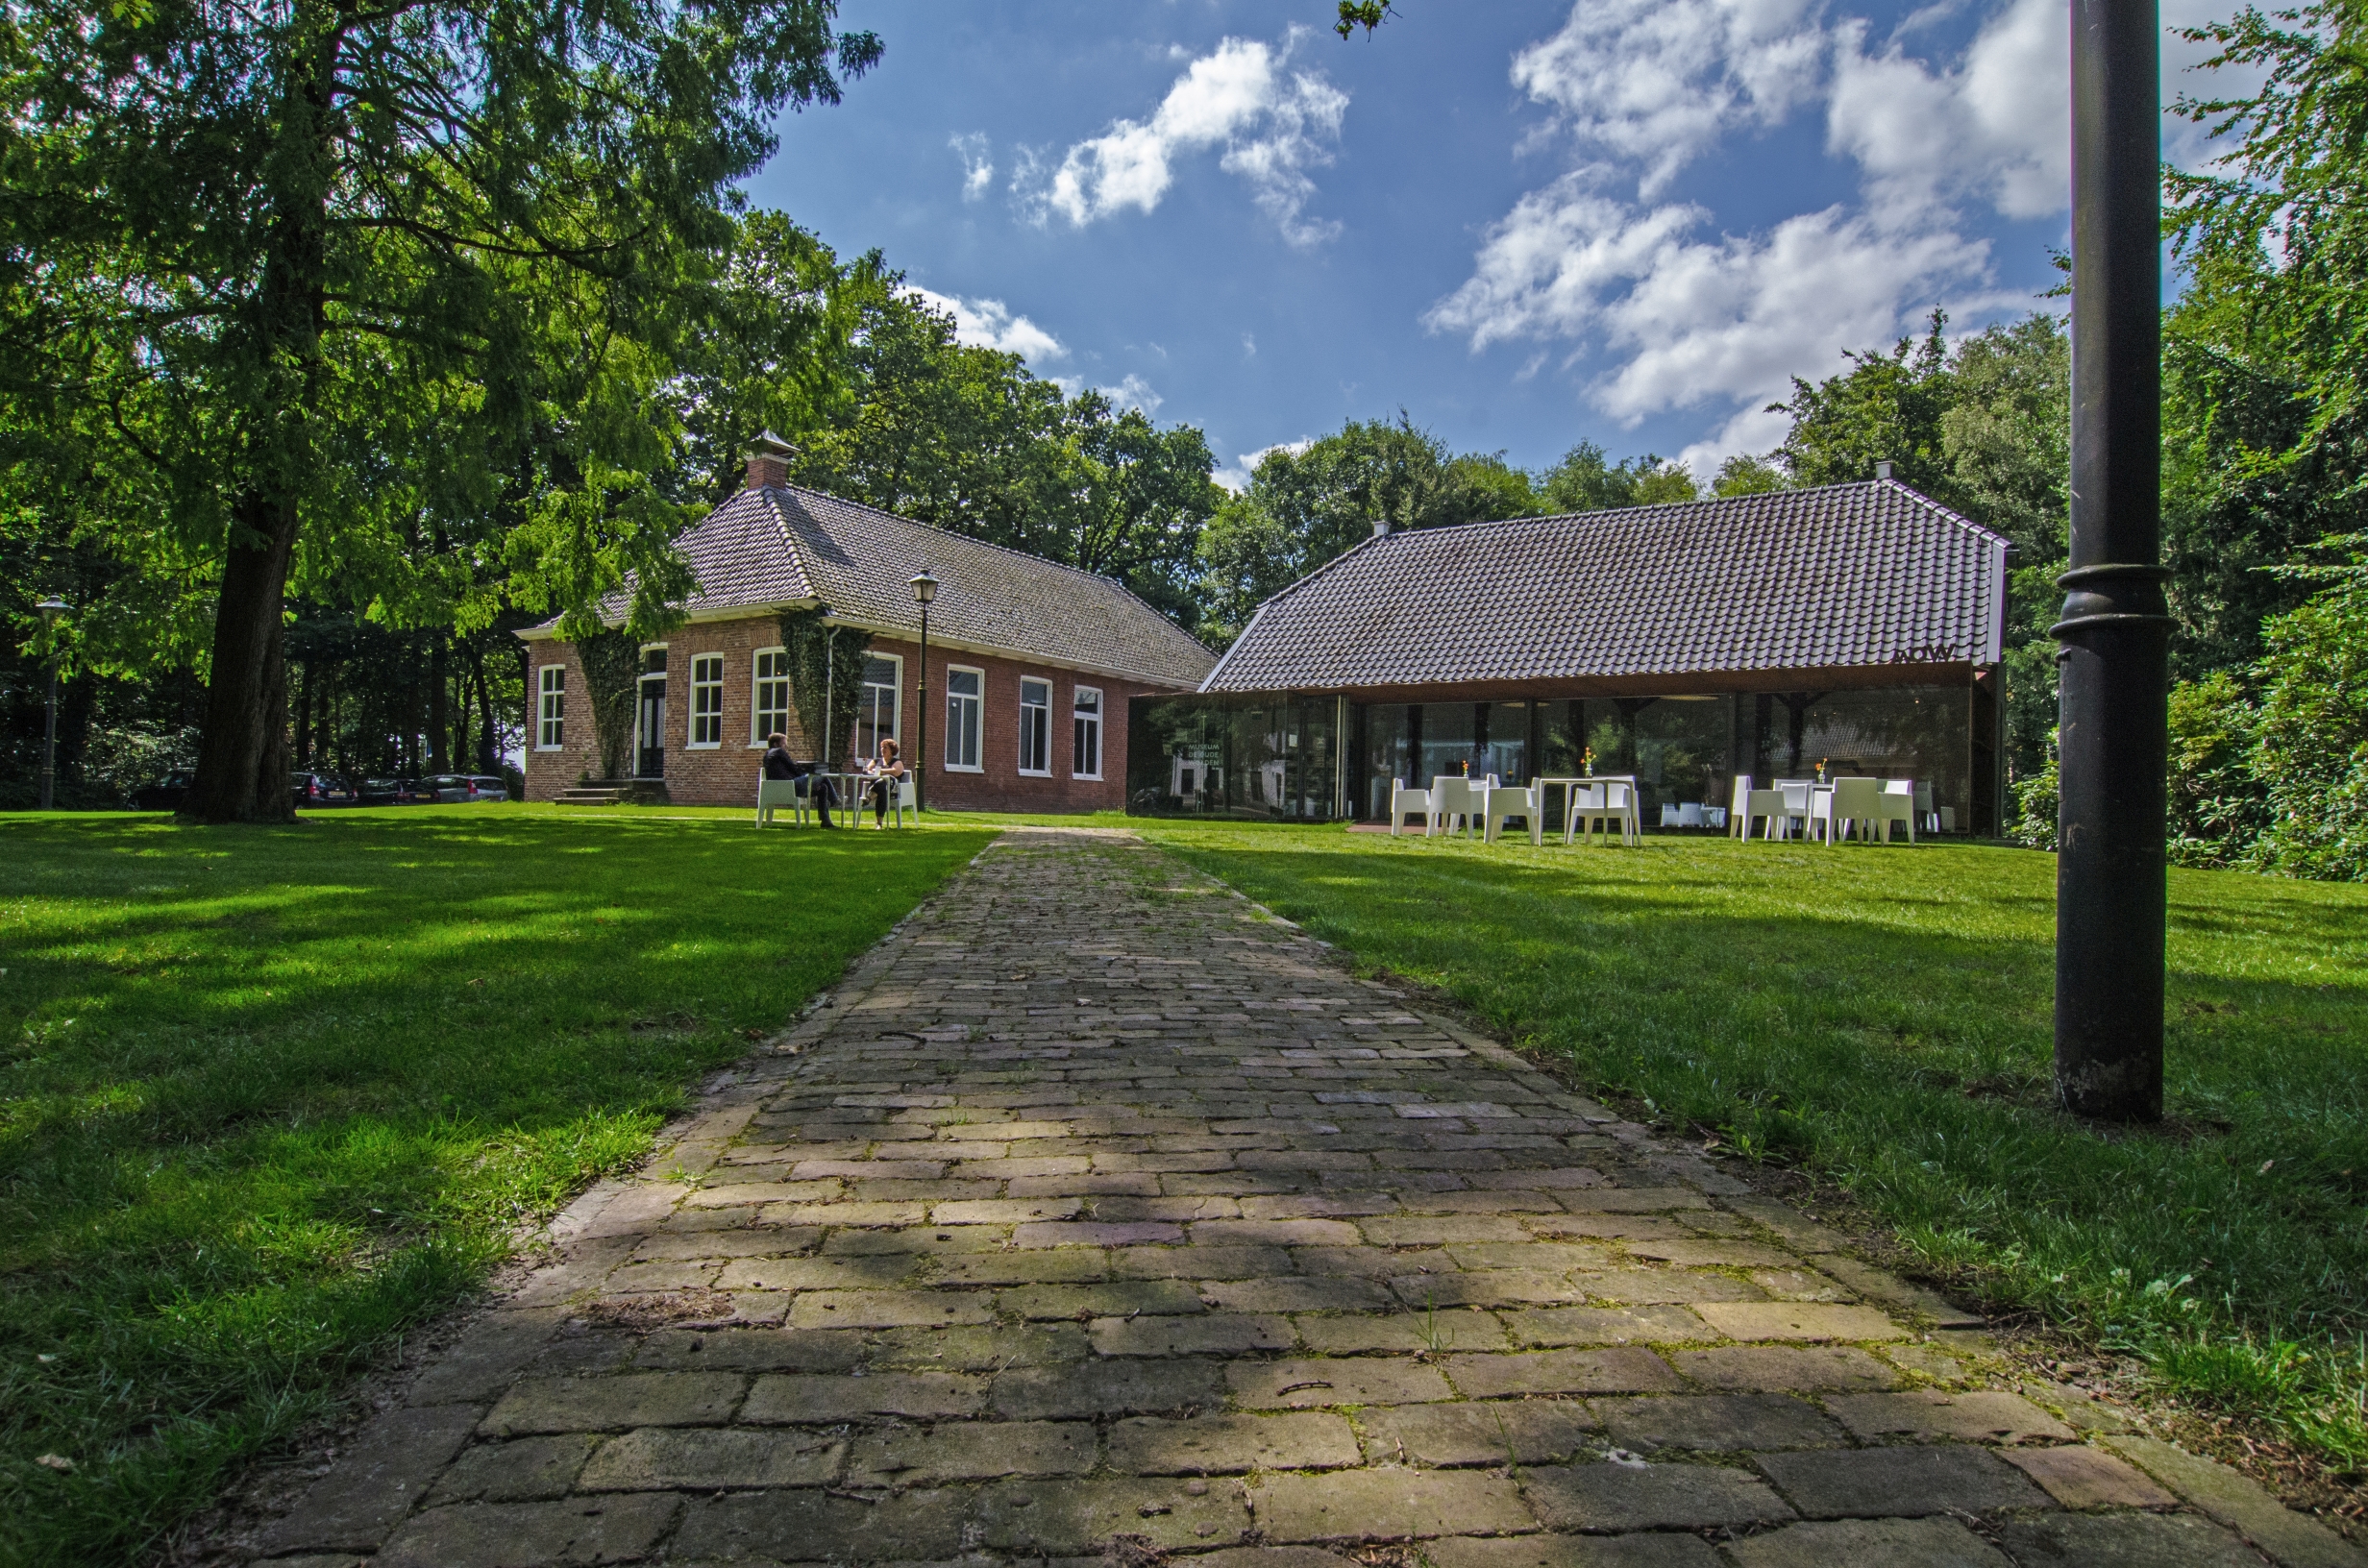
<point x="1316" y="758"/>
<point x="1224" y="756"/>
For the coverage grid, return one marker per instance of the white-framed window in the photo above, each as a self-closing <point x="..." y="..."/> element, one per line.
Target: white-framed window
<point x="1035" y="726"/>
<point x="1085" y="757"/>
<point x="707" y="699"/>
<point x="551" y="709"/>
<point x="965" y="709"/>
<point x="768" y="694"/>
<point x="880" y="707"/>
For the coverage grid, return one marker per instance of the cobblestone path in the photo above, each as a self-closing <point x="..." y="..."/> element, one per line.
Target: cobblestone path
<point x="1103" y="1217"/>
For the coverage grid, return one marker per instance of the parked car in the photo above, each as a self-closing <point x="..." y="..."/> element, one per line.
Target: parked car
<point x="378" y="792"/>
<point x="167" y="792"/>
<point x="455" y="789"/>
<point x="321" y="790"/>
<point x="415" y="792"/>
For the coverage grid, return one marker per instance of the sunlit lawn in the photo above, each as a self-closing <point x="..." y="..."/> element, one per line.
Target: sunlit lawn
<point x="267" y="1096"/>
<point x="1881" y="1015"/>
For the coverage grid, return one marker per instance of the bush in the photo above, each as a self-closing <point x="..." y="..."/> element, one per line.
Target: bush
<point x="2310" y="748"/>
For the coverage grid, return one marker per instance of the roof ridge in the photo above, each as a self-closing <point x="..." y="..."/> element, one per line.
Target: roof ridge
<point x="987" y="544"/>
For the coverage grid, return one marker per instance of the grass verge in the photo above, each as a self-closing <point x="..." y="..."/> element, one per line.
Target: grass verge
<point x="269" y="1097"/>
<point x="1880" y="1015"/>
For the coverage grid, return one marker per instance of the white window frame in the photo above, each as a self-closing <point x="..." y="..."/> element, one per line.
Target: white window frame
<point x="978" y="719"/>
<point x="711" y="686"/>
<point x="1080" y="718"/>
<point x="1036" y="716"/>
<point x="758" y="726"/>
<point x="550" y="708"/>
<point x="896" y="730"/>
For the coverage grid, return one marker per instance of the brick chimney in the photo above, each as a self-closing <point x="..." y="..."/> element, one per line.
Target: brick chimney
<point x="769" y="459"/>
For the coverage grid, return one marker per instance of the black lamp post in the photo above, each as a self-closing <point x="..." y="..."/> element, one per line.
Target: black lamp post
<point x="2113" y="680"/>
<point x="924" y="590"/>
<point x="51" y="608"/>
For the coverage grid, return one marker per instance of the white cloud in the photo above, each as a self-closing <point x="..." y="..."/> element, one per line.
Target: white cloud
<point x="1997" y="125"/>
<point x="977" y="163"/>
<point x="1656" y="82"/>
<point x="989" y="324"/>
<point x="1235" y="476"/>
<point x="1272" y="125"/>
<point x="1669" y="313"/>
<point x="1133" y="392"/>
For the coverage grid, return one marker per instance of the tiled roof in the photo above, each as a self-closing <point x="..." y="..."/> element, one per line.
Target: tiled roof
<point x="1796" y="579"/>
<point x="783" y="545"/>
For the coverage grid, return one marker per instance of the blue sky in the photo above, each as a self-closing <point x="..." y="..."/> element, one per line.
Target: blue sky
<point x="1628" y="221"/>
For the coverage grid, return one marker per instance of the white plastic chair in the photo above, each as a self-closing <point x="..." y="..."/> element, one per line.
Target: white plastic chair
<point x="1847" y="806"/>
<point x="1794" y="799"/>
<point x="774" y="793"/>
<point x="1505" y="802"/>
<point x="1403" y="800"/>
<point x="904" y="798"/>
<point x="1750" y="804"/>
<point x="1897" y="805"/>
<point x="1617" y="804"/>
<point x="1452" y="805"/>
<point x="1577" y="799"/>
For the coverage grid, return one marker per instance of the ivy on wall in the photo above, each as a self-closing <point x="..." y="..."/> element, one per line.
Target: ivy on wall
<point x="611" y="663"/>
<point x="825" y="660"/>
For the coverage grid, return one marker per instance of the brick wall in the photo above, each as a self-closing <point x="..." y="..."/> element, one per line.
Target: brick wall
<point x="726" y="776"/>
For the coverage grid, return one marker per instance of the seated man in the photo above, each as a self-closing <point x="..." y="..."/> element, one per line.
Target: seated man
<point x="780" y="764"/>
<point x="881" y="777"/>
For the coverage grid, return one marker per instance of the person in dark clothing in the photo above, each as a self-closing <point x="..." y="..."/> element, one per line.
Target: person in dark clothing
<point x="815" y="787"/>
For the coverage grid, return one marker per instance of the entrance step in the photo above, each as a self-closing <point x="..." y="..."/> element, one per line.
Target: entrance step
<point x="615" y="792"/>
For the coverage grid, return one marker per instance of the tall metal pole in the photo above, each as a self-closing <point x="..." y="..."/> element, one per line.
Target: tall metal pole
<point x="2114" y="665"/>
<point x="921" y="722"/>
<point x="49" y="737"/>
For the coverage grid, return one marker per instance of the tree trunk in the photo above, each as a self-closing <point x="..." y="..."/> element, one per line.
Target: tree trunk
<point x="304" y="713"/>
<point x="242" y="763"/>
<point x="439" y="723"/>
<point x="486" y="761"/>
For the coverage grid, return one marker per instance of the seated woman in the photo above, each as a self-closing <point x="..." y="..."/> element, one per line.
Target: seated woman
<point x="882" y="775"/>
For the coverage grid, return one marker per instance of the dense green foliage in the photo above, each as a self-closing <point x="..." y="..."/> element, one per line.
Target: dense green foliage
<point x="367" y="301"/>
<point x="1880" y="1018"/>
<point x="272" y="1097"/>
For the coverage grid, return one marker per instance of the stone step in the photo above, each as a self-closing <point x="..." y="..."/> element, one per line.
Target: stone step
<point x="637" y="792"/>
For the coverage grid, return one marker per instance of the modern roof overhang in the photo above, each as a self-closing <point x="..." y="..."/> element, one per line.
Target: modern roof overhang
<point x="1707" y="683"/>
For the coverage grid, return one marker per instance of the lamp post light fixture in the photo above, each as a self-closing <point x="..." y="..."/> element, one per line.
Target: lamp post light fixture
<point x="924" y="590"/>
<point x="51" y="608"/>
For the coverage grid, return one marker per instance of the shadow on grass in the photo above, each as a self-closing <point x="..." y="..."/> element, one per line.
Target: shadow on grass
<point x="271" y="1094"/>
<point x="1884" y="1018"/>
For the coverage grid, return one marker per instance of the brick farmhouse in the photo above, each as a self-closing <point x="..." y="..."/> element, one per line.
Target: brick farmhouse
<point x="1032" y="665"/>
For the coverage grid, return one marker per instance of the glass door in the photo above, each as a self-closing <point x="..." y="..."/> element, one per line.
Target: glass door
<point x="649" y="751"/>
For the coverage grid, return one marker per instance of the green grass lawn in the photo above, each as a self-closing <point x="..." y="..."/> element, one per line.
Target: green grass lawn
<point x="272" y="1095"/>
<point x="1880" y="1015"/>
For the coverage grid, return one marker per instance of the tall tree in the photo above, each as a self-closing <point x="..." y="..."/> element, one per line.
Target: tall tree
<point x="334" y="272"/>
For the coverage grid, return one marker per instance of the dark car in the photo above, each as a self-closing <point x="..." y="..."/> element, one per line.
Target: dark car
<point x="166" y="794"/>
<point x="415" y="792"/>
<point x="321" y="790"/>
<point x="378" y="792"/>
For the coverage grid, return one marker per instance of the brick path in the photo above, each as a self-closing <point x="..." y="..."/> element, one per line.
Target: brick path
<point x="1103" y="1217"/>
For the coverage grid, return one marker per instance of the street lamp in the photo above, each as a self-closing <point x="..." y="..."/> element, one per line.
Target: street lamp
<point x="51" y="608"/>
<point x="924" y="590"/>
